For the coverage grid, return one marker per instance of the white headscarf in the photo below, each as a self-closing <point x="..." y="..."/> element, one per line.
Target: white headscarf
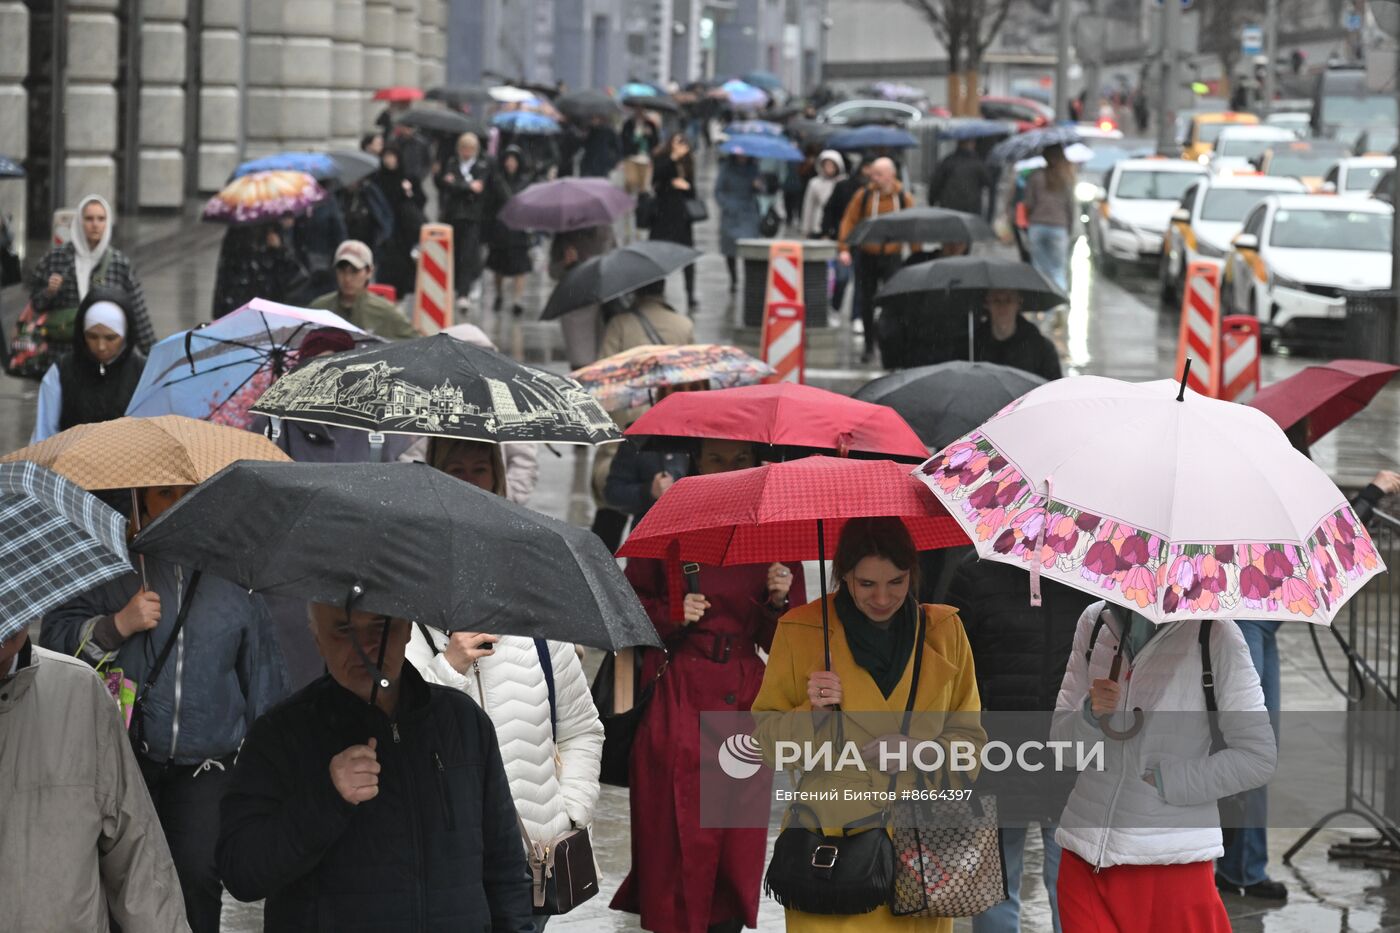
<point x="107" y="313"/>
<point x="85" y="259"/>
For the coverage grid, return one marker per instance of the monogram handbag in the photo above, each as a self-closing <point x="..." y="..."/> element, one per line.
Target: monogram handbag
<point x="948" y="859"/>
<point x="562" y="871"/>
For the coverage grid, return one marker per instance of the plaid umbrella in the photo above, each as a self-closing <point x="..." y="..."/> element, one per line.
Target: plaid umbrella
<point x="628" y="379"/>
<point x="56" y="542"/>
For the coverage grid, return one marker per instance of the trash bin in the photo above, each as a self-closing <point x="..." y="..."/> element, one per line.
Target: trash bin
<point x="1370" y="326"/>
<point x="816" y="254"/>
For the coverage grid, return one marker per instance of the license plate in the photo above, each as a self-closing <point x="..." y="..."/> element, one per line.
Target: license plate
<point x="1337" y="312"/>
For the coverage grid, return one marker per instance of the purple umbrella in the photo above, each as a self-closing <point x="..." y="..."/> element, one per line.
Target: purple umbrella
<point x="566" y="204"/>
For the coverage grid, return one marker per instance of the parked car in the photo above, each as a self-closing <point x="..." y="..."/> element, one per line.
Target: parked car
<point x="1297" y="123"/>
<point x="1205" y="128"/>
<point x="1357" y="175"/>
<point x="1239" y="148"/>
<point x="1136" y="208"/>
<point x="870" y="110"/>
<point x="1305" y="160"/>
<point x="1027" y="113"/>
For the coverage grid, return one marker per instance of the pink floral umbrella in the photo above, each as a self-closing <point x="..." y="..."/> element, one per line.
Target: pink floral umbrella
<point x="263" y="196"/>
<point x="1171" y="504"/>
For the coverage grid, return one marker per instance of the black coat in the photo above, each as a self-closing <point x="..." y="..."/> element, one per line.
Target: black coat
<point x="457" y="201"/>
<point x="602" y="150"/>
<point x="671" y="222"/>
<point x="1027" y="349"/>
<point x="438" y="849"/>
<point x="959" y="182"/>
<point x="94" y="392"/>
<point x="840" y="199"/>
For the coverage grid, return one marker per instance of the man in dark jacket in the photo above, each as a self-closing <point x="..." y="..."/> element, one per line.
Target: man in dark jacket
<point x="960" y="180"/>
<point x="835" y="209"/>
<point x="1009" y="339"/>
<point x="390" y="815"/>
<point x="602" y="150"/>
<point x="465" y="187"/>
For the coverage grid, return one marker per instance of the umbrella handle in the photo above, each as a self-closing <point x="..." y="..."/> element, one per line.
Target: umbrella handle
<point x="1105" y="724"/>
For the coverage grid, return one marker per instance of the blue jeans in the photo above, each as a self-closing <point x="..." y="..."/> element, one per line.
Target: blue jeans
<point x="1246" y="858"/>
<point x="1049" y="248"/>
<point x="1006" y="916"/>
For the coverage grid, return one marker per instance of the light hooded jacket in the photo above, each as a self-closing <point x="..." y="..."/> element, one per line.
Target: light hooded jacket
<point x="1113" y="816"/>
<point x="553" y="771"/>
<point x="81" y="840"/>
<point x="819" y="191"/>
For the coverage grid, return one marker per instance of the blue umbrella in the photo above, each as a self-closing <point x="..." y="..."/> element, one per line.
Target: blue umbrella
<point x="977" y="129"/>
<point x="638" y="89"/>
<point x="753" y="128"/>
<point x="525" y="123"/>
<point x="316" y="164"/>
<point x="9" y="168"/>
<point x="873" y="137"/>
<point x="765" y="80"/>
<point x="1031" y="143"/>
<point x="762" y="147"/>
<point x="743" y="94"/>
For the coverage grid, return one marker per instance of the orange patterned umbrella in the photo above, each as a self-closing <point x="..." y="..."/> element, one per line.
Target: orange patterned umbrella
<point x="263" y="196"/>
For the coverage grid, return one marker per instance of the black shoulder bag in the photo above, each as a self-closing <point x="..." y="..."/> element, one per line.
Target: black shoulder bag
<point x="1231" y="808"/>
<point x="137" y="731"/>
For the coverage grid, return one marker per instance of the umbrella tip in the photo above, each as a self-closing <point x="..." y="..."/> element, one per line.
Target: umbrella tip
<point x="1185" y="371"/>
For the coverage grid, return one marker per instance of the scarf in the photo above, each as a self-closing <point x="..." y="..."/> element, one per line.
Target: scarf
<point x="85" y="258"/>
<point x="883" y="651"/>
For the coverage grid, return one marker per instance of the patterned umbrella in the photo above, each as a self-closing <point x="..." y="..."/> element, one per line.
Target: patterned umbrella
<point x="56" y="542"/>
<point x="263" y="196"/>
<point x="525" y="123"/>
<point x="566" y="204"/>
<point x="630" y="378"/>
<point x="1032" y="143"/>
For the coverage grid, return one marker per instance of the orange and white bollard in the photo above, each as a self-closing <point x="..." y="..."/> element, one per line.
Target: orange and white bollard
<point x="433" y="294"/>
<point x="783" y="344"/>
<point x="1240" y="348"/>
<point x="1200" y="328"/>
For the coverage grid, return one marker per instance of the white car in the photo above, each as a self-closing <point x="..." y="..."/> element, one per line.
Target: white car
<point x="1136" y="207"/>
<point x="1298" y="256"/>
<point x="1299" y="123"/>
<point x="856" y="112"/>
<point x="1357" y="175"/>
<point x="1238" y="148"/>
<point x="1211" y="213"/>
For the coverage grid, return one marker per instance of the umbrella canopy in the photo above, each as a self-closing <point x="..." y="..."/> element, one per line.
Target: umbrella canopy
<point x="811" y="131"/>
<point x="659" y="102"/>
<point x="794" y="419"/>
<point x="761" y="147"/>
<point x="263" y="196"/>
<point x="614" y="274"/>
<point x="922" y="225"/>
<point x="427" y="547"/>
<point x="566" y="204"/>
<point x="345" y="166"/>
<point x="1032" y="143"/>
<point x="1326" y="395"/>
<point x="10" y="168"/>
<point x="743" y="94"/>
<point x="753" y="128"/>
<point x="509" y="94"/>
<point x="872" y="137"/>
<point x="944" y="402"/>
<point x="351" y="165"/>
<point x="444" y="122"/>
<point x="1174" y="505"/>
<point x="525" y="123"/>
<point x="56" y="542"/>
<point x="455" y="95"/>
<point x="585" y="105"/>
<point x="130" y="453"/>
<point x="215" y="372"/>
<point x="629" y="379"/>
<point x="442" y="387"/>
<point x="975" y="274"/>
<point x="638" y="89"/>
<point x="976" y="129"/>
<point x="765" y="80"/>
<point x="399" y="94"/>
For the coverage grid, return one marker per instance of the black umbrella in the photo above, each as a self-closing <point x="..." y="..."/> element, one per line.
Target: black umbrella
<point x="922" y="225"/>
<point x="403" y="540"/>
<point x="585" y="105"/>
<point x="440" y="387"/>
<point x="352" y="165"/>
<point x="1031" y="143"/>
<point x="944" y="402"/>
<point x="448" y="122"/>
<point x="658" y="102"/>
<point x="604" y="278"/>
<point x="456" y="95"/>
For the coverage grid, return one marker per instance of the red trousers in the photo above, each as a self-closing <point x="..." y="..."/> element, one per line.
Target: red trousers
<point x="1139" y="898"/>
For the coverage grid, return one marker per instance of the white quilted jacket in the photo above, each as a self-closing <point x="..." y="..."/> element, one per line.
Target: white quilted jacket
<point x="1114" y="817"/>
<point x="554" y="784"/>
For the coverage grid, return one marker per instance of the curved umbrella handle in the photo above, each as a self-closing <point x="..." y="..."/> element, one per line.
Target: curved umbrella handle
<point x="1108" y="730"/>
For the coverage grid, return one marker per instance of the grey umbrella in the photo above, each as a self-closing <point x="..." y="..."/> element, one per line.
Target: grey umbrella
<point x="604" y="278"/>
<point x="587" y="104"/>
<point x="944" y="402"/>
<point x="448" y="122"/>
<point x="922" y="225"/>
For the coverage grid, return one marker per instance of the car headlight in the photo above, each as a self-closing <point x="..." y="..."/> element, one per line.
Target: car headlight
<point x="1283" y="281"/>
<point x="1087" y="191"/>
<point x="1208" y="251"/>
<point x="1115" y="224"/>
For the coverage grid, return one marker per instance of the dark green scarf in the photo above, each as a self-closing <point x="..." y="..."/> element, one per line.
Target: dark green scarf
<point x="883" y="651"/>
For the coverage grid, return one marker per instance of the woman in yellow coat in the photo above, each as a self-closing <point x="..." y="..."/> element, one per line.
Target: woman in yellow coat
<point x="873" y="623"/>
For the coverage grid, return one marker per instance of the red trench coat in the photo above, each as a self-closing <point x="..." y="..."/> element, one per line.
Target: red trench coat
<point x="685" y="878"/>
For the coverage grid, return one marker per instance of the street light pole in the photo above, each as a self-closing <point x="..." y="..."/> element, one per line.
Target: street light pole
<point x="1166" y="103"/>
<point x="1271" y="53"/>
<point x="1062" y="42"/>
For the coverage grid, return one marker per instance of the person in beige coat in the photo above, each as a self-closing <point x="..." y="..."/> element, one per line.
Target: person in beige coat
<point x="81" y="840"/>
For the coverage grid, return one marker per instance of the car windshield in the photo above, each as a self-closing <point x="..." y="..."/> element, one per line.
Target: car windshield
<point x="1364" y="179"/>
<point x="1104" y="158"/>
<point x="1304" y="163"/>
<point x="1231" y="204"/>
<point x="1360" y="231"/>
<point x="1360" y="110"/>
<point x="1244" y="148"/>
<point x="1138" y="185"/>
<point x="1210" y="132"/>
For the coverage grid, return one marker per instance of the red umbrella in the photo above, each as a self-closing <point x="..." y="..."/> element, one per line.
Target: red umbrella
<point x="801" y="419"/>
<point x="783" y="511"/>
<point x="398" y="94"/>
<point x="1326" y="395"/>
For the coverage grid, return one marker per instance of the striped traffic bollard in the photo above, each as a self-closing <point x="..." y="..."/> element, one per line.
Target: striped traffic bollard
<point x="433" y="295"/>
<point x="1199" y="337"/>
<point x="1239" y="367"/>
<point x="785" y="314"/>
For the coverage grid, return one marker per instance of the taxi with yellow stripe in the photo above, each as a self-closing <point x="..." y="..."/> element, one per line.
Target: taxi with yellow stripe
<point x="1205" y="128"/>
<point x="1135" y="208"/>
<point x="1296" y="259"/>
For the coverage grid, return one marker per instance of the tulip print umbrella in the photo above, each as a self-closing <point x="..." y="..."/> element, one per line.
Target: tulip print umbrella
<point x="1170" y="504"/>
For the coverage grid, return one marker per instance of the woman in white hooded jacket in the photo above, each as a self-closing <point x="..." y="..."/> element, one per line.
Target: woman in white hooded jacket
<point x="831" y="168"/>
<point x="1140" y="836"/>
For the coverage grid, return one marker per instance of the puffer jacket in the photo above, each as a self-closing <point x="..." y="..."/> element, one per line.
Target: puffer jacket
<point x="225" y="670"/>
<point x="553" y="774"/>
<point x="1113" y="816"/>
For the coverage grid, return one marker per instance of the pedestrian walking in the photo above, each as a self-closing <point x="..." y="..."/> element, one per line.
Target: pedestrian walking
<point x="316" y="235"/>
<point x="737" y="188"/>
<point x="835" y="209"/>
<point x="464" y="189"/>
<point x="831" y="171"/>
<point x="257" y="261"/>
<point x="88" y="850"/>
<point x="1051" y="210"/>
<point x="640" y="138"/>
<point x="1007" y="338"/>
<point x="60" y="280"/>
<point x="602" y="149"/>
<point x="686" y="878"/>
<point x="508" y="256"/>
<point x="95" y="379"/>
<point x="582" y="327"/>
<point x="352" y="299"/>
<point x="355" y="816"/>
<point x="872" y="264"/>
<point x="678" y="203"/>
<point x="406" y="200"/>
<point x="961" y="180"/>
<point x="368" y="216"/>
<point x="205" y="657"/>
<point x="875" y="620"/>
<point x="1139" y="851"/>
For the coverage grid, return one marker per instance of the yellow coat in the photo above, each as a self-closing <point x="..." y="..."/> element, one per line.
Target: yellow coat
<point x="947" y="683"/>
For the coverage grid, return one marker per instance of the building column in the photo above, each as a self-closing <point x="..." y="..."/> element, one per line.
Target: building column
<point x="348" y="74"/>
<point x="289" y="75"/>
<point x="14" y="110"/>
<point x="162" y="130"/>
<point x="90" y="101"/>
<point x="220" y="109"/>
<point x="432" y="43"/>
<point x="406" y="42"/>
<point x="379" y="56"/>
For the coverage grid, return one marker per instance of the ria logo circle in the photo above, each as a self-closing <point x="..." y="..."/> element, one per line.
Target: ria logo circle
<point x="740" y="757"/>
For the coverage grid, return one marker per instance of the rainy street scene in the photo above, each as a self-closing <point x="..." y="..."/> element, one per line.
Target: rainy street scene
<point x="695" y="466"/>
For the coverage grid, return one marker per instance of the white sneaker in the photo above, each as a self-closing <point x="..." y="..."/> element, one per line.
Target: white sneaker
<point x="858" y="327"/>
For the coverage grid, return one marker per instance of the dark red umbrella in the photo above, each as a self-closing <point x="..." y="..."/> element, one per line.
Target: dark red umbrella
<point x="784" y="511"/>
<point x="1326" y="395"/>
<point x="795" y="419"/>
<point x="398" y="94"/>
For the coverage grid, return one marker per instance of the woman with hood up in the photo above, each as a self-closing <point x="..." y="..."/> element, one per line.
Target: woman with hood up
<point x="831" y="169"/>
<point x="60" y="281"/>
<point x="94" y="381"/>
<point x="393" y="257"/>
<point x="674" y="182"/>
<point x="508" y="250"/>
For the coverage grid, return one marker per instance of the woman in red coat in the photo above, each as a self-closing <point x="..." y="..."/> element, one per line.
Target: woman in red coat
<point x="684" y="878"/>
